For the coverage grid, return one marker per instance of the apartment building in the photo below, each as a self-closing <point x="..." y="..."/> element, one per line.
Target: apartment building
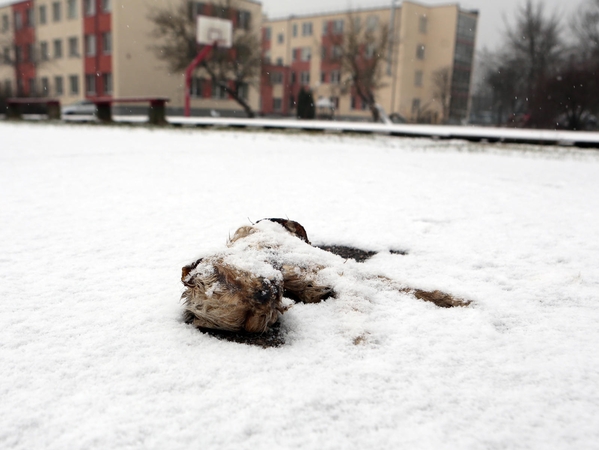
<point x="425" y="40"/>
<point x="76" y="49"/>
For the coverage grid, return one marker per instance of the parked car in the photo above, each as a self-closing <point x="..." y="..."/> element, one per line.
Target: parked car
<point x="82" y="107"/>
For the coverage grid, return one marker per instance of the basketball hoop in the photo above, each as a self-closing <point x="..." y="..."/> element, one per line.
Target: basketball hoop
<point x="210" y="32"/>
<point x="214" y="31"/>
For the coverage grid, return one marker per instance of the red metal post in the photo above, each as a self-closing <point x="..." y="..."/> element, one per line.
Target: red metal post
<point x="197" y="60"/>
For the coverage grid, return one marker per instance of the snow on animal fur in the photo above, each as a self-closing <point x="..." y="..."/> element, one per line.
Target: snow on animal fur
<point x="244" y="285"/>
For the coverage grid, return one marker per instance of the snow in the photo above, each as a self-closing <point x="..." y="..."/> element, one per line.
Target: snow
<point x="98" y="221"/>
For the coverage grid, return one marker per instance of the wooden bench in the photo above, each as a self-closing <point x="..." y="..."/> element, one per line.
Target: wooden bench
<point x="156" y="111"/>
<point x="13" y="107"/>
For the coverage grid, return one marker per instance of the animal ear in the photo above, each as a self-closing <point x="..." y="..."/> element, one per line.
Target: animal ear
<point x="186" y="270"/>
<point x="293" y="227"/>
<point x="241" y="233"/>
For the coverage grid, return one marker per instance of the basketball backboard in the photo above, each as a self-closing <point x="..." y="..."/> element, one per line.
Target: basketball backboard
<point x="212" y="30"/>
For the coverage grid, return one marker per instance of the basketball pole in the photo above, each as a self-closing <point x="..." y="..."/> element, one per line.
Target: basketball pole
<point x="188" y="72"/>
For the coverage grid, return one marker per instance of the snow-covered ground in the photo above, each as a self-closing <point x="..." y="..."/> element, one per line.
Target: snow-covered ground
<point x="96" y="223"/>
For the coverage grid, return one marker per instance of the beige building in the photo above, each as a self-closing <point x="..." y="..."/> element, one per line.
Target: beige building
<point x="76" y="49"/>
<point x="426" y="42"/>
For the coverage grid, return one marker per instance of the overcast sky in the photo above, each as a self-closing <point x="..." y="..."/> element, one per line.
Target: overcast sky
<point x="491" y="16"/>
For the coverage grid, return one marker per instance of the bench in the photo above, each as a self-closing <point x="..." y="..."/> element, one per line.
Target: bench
<point x="13" y="107"/>
<point x="156" y="111"/>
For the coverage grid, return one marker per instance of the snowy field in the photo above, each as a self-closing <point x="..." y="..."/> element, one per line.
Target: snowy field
<point x="96" y="223"/>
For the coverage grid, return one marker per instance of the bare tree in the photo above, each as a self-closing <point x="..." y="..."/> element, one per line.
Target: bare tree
<point x="442" y="90"/>
<point x="535" y="46"/>
<point x="234" y="70"/>
<point x="572" y="96"/>
<point x="585" y="27"/>
<point x="361" y="52"/>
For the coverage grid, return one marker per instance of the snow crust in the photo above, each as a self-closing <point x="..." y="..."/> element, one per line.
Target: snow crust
<point x="97" y="222"/>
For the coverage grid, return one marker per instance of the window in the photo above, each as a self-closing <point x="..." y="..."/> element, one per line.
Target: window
<point x="356" y="24"/>
<point x="18" y="54"/>
<point x="29" y="55"/>
<point x="279" y="61"/>
<point x="32" y="86"/>
<point x="196" y="87"/>
<point x="57" y="48"/>
<point x="56" y="12"/>
<point x="307" y="29"/>
<point x="6" y="55"/>
<point x="416" y="106"/>
<point x="370" y="49"/>
<point x="323" y="77"/>
<point x="244" y="19"/>
<point x="306" y="54"/>
<point x="276" y="77"/>
<point x="353" y="102"/>
<point x="106" y="6"/>
<point x="280" y="38"/>
<point x="371" y="23"/>
<point x="72" y="9"/>
<point x="74" y="84"/>
<point x="90" y="45"/>
<point x="196" y="9"/>
<point x="107" y="82"/>
<point x="89" y="7"/>
<point x="267" y="57"/>
<point x="277" y="104"/>
<point x="423" y="24"/>
<point x="293" y="77"/>
<point x="58" y="87"/>
<point x="295" y="30"/>
<point x="337" y="51"/>
<point x="8" y="88"/>
<point x="219" y="92"/>
<point x="325" y="28"/>
<point x="335" y="77"/>
<point x="324" y="53"/>
<point x="44" y="54"/>
<point x="418" y="78"/>
<point x="18" y="21"/>
<point x="42" y="15"/>
<point x="267" y="33"/>
<point x="45" y="86"/>
<point x="107" y="43"/>
<point x="5" y="24"/>
<point x="305" y="78"/>
<point x="29" y="17"/>
<point x="243" y="90"/>
<point x="74" y="46"/>
<point x="337" y="26"/>
<point x="90" y="84"/>
<point x="420" y="52"/>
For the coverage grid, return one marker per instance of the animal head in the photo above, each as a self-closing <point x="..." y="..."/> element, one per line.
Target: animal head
<point x="224" y="297"/>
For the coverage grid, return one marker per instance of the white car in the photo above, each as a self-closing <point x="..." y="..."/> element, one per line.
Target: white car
<point x="82" y="108"/>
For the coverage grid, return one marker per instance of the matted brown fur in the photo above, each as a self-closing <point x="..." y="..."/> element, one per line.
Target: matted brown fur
<point x="221" y="296"/>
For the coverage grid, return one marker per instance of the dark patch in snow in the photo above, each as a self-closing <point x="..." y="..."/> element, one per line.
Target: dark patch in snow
<point x="348" y="252"/>
<point x="355" y="253"/>
<point x="274" y="337"/>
